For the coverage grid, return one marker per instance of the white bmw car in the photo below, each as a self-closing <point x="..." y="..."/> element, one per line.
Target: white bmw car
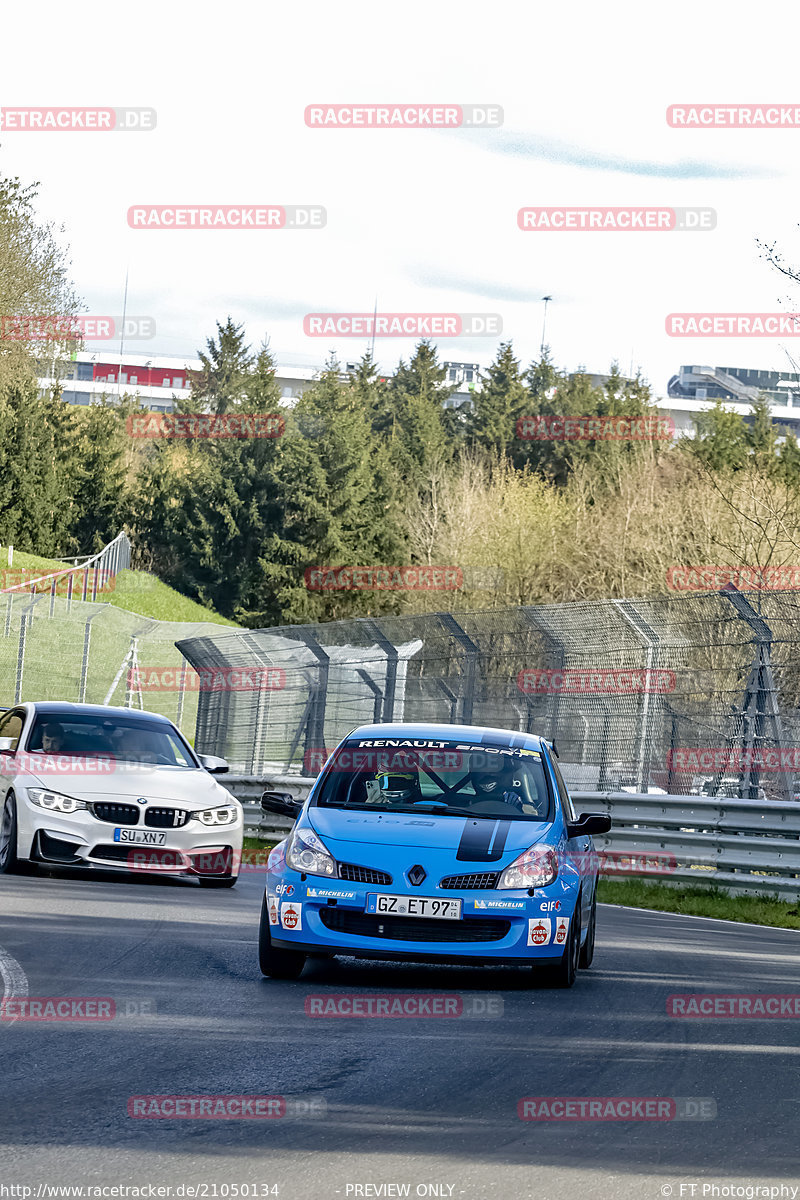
<point x="84" y="785"/>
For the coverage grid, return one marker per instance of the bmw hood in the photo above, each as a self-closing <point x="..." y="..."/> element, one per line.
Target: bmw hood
<point x="474" y="839"/>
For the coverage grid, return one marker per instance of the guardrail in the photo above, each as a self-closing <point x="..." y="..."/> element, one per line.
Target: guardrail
<point x="738" y="845"/>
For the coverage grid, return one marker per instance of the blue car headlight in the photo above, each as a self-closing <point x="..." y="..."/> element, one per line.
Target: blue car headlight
<point x="305" y="852"/>
<point x="535" y="868"/>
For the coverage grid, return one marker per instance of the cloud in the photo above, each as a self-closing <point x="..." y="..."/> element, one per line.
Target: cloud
<point x="522" y="145"/>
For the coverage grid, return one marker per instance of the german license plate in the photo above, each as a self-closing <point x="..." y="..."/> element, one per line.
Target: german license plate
<point x="414" y="906"/>
<point x="140" y="837"/>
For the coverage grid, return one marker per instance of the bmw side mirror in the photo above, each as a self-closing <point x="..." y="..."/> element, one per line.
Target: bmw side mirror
<point x="7" y="745"/>
<point x="588" y="823"/>
<point x="214" y="765"/>
<point x="281" y="802"/>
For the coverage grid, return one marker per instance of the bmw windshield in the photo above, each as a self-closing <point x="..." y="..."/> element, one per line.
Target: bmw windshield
<point x="449" y="780"/>
<point x="133" y="739"/>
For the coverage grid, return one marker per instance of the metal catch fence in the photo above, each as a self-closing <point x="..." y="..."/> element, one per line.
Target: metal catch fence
<point x="679" y="694"/>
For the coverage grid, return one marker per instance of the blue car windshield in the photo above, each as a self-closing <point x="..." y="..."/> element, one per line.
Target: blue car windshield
<point x="447" y="779"/>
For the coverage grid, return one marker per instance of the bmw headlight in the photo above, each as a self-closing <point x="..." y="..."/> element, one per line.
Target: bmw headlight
<point x="535" y="868"/>
<point x="225" y="814"/>
<point x="54" y="801"/>
<point x="305" y="852"/>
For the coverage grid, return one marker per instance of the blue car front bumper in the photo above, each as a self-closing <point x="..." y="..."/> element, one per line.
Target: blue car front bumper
<point x="327" y="917"/>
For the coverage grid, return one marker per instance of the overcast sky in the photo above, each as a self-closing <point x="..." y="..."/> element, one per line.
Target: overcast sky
<point x="424" y="220"/>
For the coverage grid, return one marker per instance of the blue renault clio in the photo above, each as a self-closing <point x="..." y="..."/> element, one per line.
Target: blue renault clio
<point x="440" y="843"/>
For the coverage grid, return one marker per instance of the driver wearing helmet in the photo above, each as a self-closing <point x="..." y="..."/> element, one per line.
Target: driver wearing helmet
<point x="493" y="779"/>
<point x="393" y="787"/>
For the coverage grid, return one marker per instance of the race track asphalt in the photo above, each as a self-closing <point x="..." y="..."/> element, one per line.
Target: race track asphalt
<point x="427" y="1105"/>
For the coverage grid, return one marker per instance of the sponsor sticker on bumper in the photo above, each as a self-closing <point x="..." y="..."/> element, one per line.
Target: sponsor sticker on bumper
<point x="539" y="930"/>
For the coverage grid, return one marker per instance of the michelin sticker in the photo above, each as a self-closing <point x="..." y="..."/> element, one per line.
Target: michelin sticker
<point x="328" y="894"/>
<point x="292" y="916"/>
<point x="539" y="931"/>
<point x="508" y="905"/>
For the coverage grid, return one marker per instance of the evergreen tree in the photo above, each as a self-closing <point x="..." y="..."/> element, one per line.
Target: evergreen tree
<point x="497" y="404"/>
<point x="334" y="501"/>
<point x="721" y="439"/>
<point x="226" y="369"/>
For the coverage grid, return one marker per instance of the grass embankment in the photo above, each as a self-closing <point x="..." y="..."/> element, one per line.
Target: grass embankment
<point x="701" y="902"/>
<point x="134" y="591"/>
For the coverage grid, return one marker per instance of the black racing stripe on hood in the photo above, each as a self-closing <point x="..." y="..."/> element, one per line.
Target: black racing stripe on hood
<point x="483" y="841"/>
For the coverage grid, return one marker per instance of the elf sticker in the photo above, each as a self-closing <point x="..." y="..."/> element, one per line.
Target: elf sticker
<point x="562" y="928"/>
<point x="539" y="931"/>
<point x="273" y="911"/>
<point x="292" y="916"/>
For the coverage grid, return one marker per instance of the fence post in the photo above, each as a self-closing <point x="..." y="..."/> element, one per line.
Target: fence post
<point x="560" y="663"/>
<point x="25" y="621"/>
<point x="87" y="638"/>
<point x="470" y="663"/>
<point x="181" y="695"/>
<point x="9" y="606"/>
<point x="651" y="639"/>
<point x="390" y="650"/>
<point x="376" y="692"/>
<point x="315" y="722"/>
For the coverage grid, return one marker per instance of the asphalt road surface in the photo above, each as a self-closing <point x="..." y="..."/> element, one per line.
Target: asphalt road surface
<point x="416" y="1106"/>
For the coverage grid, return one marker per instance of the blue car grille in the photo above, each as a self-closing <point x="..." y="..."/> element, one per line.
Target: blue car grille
<point x="356" y="874"/>
<point x="414" y="929"/>
<point x="483" y="879"/>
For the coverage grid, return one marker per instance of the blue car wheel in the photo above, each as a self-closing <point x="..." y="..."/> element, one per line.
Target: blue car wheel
<point x="274" y="963"/>
<point x="563" y="974"/>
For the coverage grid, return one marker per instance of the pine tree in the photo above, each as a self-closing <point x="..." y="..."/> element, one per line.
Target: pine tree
<point x="226" y="369"/>
<point x="497" y="404"/>
<point x="333" y="505"/>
